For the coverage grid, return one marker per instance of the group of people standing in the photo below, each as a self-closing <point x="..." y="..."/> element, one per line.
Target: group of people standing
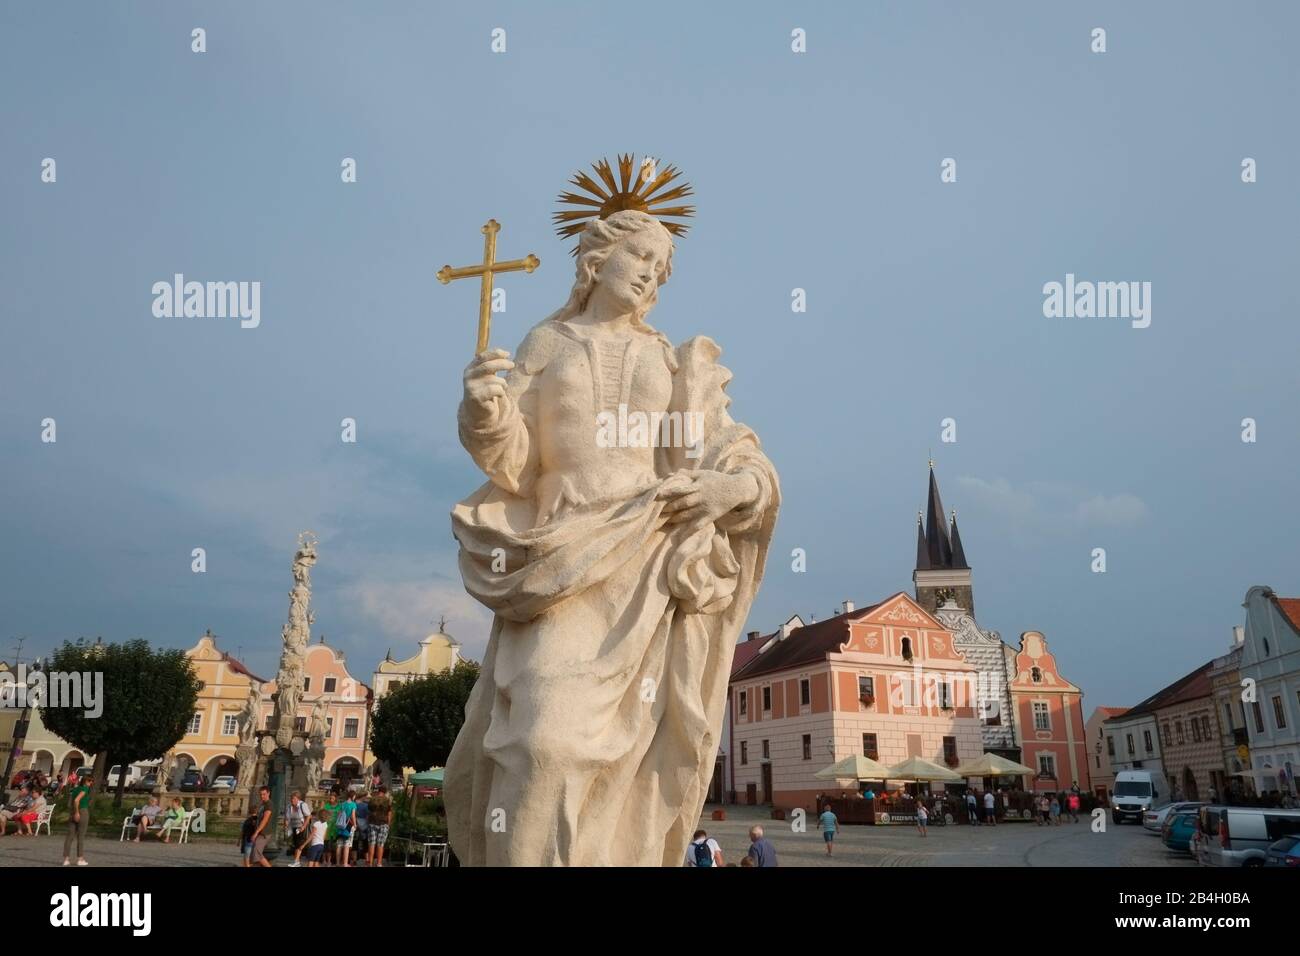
<point x="1052" y="806"/>
<point x="336" y="833"/>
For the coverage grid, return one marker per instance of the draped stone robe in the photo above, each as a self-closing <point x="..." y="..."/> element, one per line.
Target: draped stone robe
<point x="591" y="735"/>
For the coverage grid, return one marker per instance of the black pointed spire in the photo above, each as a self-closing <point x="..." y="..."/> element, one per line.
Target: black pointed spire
<point x="922" y="553"/>
<point x="936" y="527"/>
<point x="958" y="553"/>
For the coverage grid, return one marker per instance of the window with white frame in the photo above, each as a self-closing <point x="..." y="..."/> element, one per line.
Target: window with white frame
<point x="805" y="692"/>
<point x="906" y="689"/>
<point x="351" y="727"/>
<point x="1047" y="765"/>
<point x="331" y="683"/>
<point x="767" y="698"/>
<point x="229" y="725"/>
<point x="1042" y="719"/>
<point x="195" y="723"/>
<point x="742" y="702"/>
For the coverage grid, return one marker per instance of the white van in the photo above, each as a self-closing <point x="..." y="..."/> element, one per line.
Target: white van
<point x="132" y="775"/>
<point x="1134" y="793"/>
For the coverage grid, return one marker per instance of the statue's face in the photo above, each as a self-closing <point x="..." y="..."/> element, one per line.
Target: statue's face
<point x="628" y="278"/>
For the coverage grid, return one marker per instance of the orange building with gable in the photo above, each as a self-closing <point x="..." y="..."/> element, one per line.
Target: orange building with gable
<point x="1049" y="713"/>
<point x="884" y="681"/>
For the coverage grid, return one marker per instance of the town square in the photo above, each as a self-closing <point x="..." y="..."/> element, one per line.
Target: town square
<point x="476" y="439"/>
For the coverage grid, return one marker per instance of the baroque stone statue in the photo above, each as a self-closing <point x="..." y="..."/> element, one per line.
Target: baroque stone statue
<point x="296" y="635"/>
<point x="620" y="568"/>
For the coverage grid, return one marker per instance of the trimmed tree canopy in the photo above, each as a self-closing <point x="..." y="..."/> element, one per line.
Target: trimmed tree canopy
<point x="416" y="723"/>
<point x="147" y="699"/>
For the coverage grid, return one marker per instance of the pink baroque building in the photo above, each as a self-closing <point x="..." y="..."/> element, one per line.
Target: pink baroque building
<point x="884" y="681"/>
<point x="1049" y="713"/>
<point x="348" y="703"/>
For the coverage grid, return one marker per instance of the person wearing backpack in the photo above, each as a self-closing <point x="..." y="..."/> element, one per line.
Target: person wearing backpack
<point x="345" y="828"/>
<point x="703" y="851"/>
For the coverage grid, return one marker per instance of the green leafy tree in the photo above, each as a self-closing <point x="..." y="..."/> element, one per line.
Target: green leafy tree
<point x="147" y="699"/>
<point x="416" y="723"/>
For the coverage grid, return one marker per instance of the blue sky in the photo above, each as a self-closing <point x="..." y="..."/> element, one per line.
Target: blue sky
<point x="817" y="170"/>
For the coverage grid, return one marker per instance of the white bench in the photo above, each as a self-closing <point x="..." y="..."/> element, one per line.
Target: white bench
<point x="131" y="823"/>
<point x="47" y="814"/>
<point x="187" y="822"/>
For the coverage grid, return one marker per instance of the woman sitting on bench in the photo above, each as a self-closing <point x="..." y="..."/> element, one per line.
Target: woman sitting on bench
<point x="147" y="818"/>
<point x="172" y="820"/>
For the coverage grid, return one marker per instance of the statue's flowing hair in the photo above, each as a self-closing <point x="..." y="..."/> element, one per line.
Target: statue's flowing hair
<point x="595" y="244"/>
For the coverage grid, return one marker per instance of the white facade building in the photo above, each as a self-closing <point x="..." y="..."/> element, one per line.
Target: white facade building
<point x="1270" y="667"/>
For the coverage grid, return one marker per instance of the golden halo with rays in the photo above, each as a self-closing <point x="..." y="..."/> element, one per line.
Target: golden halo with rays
<point x="642" y="194"/>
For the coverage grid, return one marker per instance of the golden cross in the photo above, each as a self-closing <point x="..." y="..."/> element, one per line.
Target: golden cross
<point x="487" y="270"/>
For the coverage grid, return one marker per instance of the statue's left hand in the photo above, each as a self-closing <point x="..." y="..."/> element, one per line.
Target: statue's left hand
<point x="709" y="496"/>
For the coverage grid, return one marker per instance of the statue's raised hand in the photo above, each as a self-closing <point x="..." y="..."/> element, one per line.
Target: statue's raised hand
<point x="484" y="388"/>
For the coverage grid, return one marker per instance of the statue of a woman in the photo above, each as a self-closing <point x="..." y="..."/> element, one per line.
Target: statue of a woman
<point x="620" y="573"/>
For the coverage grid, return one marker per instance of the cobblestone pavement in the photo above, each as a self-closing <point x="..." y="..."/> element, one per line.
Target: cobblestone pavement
<point x="48" y="851"/>
<point x="1010" y="844"/>
<point x="1013" y="844"/>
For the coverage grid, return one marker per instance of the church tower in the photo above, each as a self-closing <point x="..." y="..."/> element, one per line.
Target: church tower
<point x="941" y="568"/>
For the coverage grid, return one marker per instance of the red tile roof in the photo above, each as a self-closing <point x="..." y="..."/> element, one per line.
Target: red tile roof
<point x="804" y="645"/>
<point x="746" y="651"/>
<point x="238" y="667"/>
<point x="1113" y="711"/>
<point x="1291" y="608"/>
<point x="1188" y="687"/>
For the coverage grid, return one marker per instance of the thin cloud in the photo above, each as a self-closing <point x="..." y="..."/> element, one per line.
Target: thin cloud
<point x="1052" y="506"/>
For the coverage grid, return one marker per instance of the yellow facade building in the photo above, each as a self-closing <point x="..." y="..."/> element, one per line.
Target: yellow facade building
<point x="213" y="733"/>
<point x="437" y="652"/>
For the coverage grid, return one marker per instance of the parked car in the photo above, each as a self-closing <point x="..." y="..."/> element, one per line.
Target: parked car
<point x="1178" y="830"/>
<point x="83" y="772"/>
<point x="1135" y="792"/>
<point x="146" y="784"/>
<point x="1154" y="820"/>
<point x="224" y="784"/>
<point x="1244" y="835"/>
<point x="116" y="771"/>
<point x="327" y="784"/>
<point x="1285" y="852"/>
<point x="356" y="787"/>
<point x="193" y="782"/>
